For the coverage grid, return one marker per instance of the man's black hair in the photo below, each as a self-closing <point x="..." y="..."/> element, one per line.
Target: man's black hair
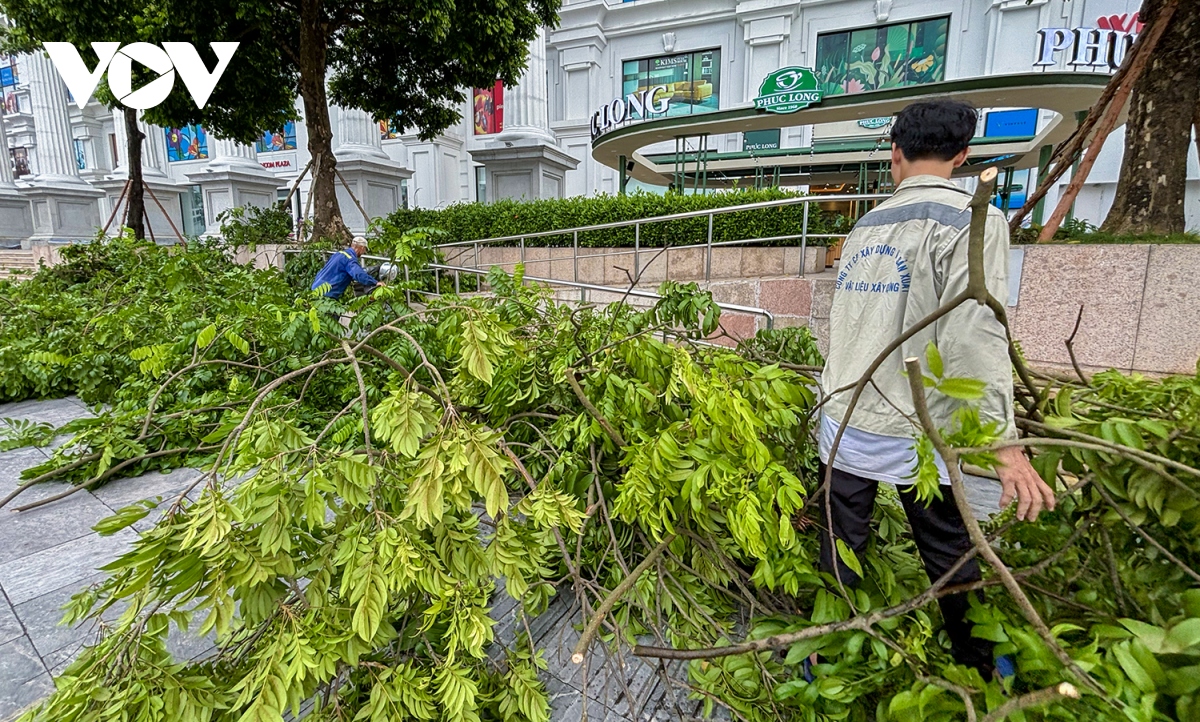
<point x="938" y="129"/>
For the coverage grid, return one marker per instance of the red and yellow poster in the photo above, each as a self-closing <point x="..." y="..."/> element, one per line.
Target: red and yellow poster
<point x="489" y="109"/>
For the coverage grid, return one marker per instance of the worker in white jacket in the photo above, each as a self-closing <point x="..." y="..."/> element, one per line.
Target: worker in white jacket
<point x="902" y="261"/>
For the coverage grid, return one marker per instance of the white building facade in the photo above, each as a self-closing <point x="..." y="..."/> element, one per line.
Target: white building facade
<point x="534" y="140"/>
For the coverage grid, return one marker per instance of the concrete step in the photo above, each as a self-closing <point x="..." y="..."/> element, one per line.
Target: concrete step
<point x="17" y="263"/>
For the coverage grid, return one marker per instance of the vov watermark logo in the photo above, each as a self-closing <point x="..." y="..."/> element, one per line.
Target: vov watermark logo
<point x="171" y="58"/>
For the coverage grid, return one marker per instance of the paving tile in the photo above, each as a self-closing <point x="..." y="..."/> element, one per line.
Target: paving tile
<point x="42" y="618"/>
<point x="10" y="625"/>
<point x="185" y="646"/>
<point x="54" y="411"/>
<point x="19" y="662"/>
<point x="123" y="492"/>
<point x="16" y="698"/>
<point x="27" y="532"/>
<point x="12" y="463"/>
<point x="68" y="563"/>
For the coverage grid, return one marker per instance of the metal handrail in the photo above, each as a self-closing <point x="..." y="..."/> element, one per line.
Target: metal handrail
<point x="583" y="287"/>
<point x="754" y="310"/>
<point x="710" y="214"/>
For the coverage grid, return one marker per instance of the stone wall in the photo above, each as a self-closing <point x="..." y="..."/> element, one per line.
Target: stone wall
<point x="1141" y="305"/>
<point x="615" y="266"/>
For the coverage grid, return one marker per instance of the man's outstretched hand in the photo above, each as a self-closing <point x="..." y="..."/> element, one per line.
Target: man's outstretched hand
<point x="1018" y="479"/>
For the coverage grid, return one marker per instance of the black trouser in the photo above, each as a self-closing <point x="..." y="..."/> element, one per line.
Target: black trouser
<point x="941" y="539"/>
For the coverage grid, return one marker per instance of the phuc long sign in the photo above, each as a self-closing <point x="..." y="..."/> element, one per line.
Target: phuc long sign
<point x="1104" y="46"/>
<point x="637" y="105"/>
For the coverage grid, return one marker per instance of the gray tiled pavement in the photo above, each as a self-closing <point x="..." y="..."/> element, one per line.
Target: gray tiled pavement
<point x="49" y="553"/>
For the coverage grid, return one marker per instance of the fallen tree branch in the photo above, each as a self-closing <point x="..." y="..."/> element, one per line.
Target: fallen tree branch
<point x="613" y="434"/>
<point x="585" y="639"/>
<point x="110" y="472"/>
<point x="1144" y="534"/>
<point x="916" y="383"/>
<point x="1033" y="699"/>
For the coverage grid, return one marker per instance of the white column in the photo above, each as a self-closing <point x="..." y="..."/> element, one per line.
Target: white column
<point x="122" y="141"/>
<point x="233" y="154"/>
<point x="526" y="113"/>
<point x="6" y="173"/>
<point x="52" y="123"/>
<point x="358" y="135"/>
<point x="154" y="149"/>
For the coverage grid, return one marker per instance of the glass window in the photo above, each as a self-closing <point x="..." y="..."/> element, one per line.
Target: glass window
<point x="481" y="184"/>
<point x="692" y="80"/>
<point x="186" y="143"/>
<point x="279" y="140"/>
<point x="191" y="202"/>
<point x="80" y="155"/>
<point x="888" y="56"/>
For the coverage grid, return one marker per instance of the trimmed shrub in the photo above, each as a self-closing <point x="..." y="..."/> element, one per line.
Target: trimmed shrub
<point x="476" y="221"/>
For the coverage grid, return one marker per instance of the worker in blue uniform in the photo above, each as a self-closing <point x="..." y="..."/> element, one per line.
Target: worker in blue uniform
<point x="342" y="268"/>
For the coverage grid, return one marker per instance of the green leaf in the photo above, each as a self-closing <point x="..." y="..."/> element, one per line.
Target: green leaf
<point x="848" y="557"/>
<point x="206" y="336"/>
<point x="124" y="517"/>
<point x="237" y="341"/>
<point x="962" y="388"/>
<point x="1184" y="635"/>
<point x="934" y="360"/>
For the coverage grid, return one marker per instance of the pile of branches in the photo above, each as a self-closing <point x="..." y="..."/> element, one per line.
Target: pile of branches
<point x="369" y="492"/>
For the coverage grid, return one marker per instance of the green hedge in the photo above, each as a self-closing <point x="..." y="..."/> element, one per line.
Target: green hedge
<point x="475" y="221"/>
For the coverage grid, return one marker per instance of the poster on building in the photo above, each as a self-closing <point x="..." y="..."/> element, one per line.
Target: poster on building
<point x="390" y="129"/>
<point x="691" y="82"/>
<point x="489" y="109"/>
<point x="886" y="56"/>
<point x="187" y="143"/>
<point x="284" y="139"/>
<point x="20" y="161"/>
<point x="8" y="71"/>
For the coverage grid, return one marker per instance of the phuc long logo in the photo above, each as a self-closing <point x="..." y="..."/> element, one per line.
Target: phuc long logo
<point x="166" y="61"/>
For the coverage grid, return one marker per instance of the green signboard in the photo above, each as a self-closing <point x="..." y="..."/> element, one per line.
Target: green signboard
<point x="875" y="123"/>
<point x="753" y="140"/>
<point x="787" y="90"/>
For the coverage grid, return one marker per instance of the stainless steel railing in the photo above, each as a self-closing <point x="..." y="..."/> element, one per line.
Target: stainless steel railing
<point x="585" y="287"/>
<point x="804" y="236"/>
<point x="454" y="271"/>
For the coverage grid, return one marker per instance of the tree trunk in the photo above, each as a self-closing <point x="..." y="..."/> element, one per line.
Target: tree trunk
<point x="135" y="200"/>
<point x="1150" y="192"/>
<point x="327" y="216"/>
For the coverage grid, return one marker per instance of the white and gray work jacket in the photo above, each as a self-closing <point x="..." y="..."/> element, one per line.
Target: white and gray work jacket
<point x="902" y="260"/>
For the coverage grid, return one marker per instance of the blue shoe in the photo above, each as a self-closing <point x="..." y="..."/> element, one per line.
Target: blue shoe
<point x="810" y="662"/>
<point x="1006" y="666"/>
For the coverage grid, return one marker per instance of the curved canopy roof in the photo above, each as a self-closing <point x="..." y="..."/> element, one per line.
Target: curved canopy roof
<point x="1063" y="93"/>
